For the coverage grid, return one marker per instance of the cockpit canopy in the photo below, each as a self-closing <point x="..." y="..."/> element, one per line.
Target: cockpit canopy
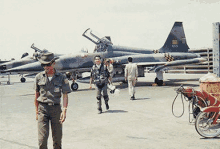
<point x="44" y="51"/>
<point x="102" y="42"/>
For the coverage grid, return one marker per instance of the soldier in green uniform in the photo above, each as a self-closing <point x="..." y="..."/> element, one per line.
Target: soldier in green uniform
<point x="49" y="85"/>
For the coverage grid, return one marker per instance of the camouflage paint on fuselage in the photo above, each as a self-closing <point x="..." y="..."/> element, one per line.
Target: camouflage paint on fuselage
<point x="16" y="63"/>
<point x="174" y="49"/>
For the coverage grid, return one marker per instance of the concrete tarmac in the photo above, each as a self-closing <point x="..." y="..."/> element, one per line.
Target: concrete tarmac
<point x="145" y="123"/>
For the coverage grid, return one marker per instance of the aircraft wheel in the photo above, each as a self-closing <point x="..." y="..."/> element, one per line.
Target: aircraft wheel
<point x="158" y="82"/>
<point x="74" y="86"/>
<point x="23" y="80"/>
<point x="8" y="82"/>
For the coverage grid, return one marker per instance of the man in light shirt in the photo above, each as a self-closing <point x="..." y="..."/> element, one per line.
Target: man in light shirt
<point x="131" y="74"/>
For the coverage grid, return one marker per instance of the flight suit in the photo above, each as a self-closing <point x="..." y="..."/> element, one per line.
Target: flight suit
<point x="49" y="108"/>
<point x="100" y="77"/>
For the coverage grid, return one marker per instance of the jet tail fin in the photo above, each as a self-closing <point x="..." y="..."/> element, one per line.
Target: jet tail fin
<point x="176" y="41"/>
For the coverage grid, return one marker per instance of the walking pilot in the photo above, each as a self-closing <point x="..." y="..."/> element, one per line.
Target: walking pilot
<point x="131" y="75"/>
<point x="100" y="76"/>
<point x="49" y="85"/>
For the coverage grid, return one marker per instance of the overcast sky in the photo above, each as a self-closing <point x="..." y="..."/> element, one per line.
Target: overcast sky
<point x="58" y="25"/>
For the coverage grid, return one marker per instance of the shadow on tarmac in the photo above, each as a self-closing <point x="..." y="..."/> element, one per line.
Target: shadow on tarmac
<point x="215" y="138"/>
<point x="12" y="83"/>
<point x="115" y="111"/>
<point x="169" y="82"/>
<point x="184" y="82"/>
<point x="180" y="80"/>
<point x="86" y="89"/>
<point x="27" y="95"/>
<point x="141" y="98"/>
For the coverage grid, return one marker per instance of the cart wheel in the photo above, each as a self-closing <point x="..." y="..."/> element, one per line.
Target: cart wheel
<point x="204" y="125"/>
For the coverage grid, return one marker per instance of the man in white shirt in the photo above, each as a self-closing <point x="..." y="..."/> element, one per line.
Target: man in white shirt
<point x="131" y="74"/>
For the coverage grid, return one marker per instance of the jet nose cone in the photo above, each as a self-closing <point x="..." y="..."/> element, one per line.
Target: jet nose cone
<point x="27" y="68"/>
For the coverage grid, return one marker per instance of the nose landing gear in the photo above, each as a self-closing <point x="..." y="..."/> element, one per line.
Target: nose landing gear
<point x="23" y="79"/>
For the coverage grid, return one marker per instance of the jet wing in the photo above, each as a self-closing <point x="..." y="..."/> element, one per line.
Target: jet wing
<point x="180" y="62"/>
<point x="161" y="65"/>
<point x="146" y="64"/>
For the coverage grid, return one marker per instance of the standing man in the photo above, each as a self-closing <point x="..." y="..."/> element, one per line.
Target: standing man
<point x="49" y="85"/>
<point x="131" y="74"/>
<point x="100" y="75"/>
<point x="110" y="69"/>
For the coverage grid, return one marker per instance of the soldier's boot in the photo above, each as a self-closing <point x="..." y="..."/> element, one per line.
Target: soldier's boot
<point x="99" y="103"/>
<point x="106" y="102"/>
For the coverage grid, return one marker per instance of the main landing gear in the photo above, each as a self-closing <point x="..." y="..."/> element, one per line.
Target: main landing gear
<point x="74" y="86"/>
<point x="159" y="78"/>
<point x="158" y="82"/>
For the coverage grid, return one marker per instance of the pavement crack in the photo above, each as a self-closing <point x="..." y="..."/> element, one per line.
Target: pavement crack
<point x="21" y="144"/>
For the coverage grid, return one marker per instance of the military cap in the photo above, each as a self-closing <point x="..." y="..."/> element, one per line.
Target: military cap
<point x="47" y="58"/>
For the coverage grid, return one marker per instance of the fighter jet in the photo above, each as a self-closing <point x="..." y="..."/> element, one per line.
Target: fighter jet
<point x="75" y="64"/>
<point x="173" y="52"/>
<point x="25" y="59"/>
